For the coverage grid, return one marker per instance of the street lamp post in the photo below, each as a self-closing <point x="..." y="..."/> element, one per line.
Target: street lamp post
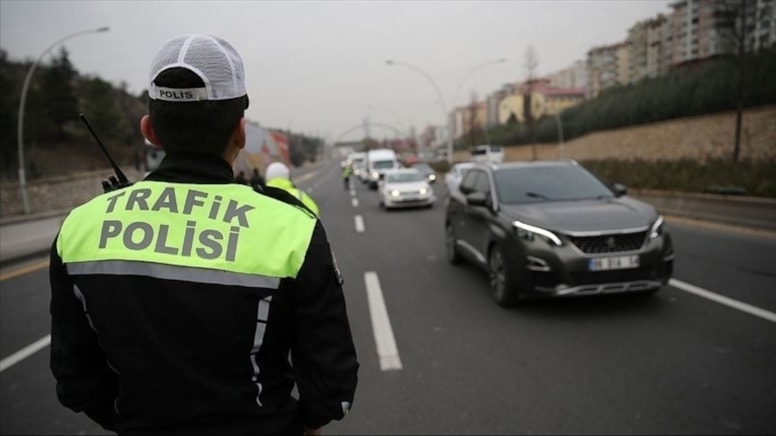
<point x="460" y="85"/>
<point x="441" y="101"/>
<point x="447" y="116"/>
<point x="23" y="100"/>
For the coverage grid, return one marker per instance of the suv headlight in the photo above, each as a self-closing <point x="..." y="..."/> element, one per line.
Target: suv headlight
<point x="528" y="232"/>
<point x="375" y="175"/>
<point x="657" y="228"/>
<point x="423" y="191"/>
<point x="395" y="193"/>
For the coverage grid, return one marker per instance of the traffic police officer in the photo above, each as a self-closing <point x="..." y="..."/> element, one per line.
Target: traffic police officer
<point x="279" y="176"/>
<point x="187" y="303"/>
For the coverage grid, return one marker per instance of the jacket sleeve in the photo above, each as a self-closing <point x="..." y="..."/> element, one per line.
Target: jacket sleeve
<point x="85" y="382"/>
<point x="323" y="354"/>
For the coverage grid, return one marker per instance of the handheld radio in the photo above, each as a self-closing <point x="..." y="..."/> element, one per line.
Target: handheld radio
<point x="112" y="183"/>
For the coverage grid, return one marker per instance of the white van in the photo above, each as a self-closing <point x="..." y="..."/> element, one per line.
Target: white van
<point x="378" y="162"/>
<point x="487" y="154"/>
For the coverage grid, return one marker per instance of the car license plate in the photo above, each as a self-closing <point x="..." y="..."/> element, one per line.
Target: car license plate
<point x="607" y="263"/>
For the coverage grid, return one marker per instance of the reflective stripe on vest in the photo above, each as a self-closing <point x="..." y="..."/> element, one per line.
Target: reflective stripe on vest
<point x="224" y="234"/>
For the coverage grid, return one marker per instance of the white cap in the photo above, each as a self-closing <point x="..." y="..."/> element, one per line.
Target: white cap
<point x="214" y="60"/>
<point x="277" y="170"/>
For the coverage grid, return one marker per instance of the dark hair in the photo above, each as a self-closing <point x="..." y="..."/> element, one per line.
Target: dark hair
<point x="196" y="127"/>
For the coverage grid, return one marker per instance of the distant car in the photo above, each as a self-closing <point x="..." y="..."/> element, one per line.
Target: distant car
<point x="359" y="170"/>
<point x="426" y="170"/>
<point x="455" y="174"/>
<point x="405" y="187"/>
<point x="552" y="229"/>
<point x="487" y="153"/>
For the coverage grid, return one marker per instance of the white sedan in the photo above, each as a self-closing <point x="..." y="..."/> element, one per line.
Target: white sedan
<point x="405" y="187"/>
<point x="455" y="175"/>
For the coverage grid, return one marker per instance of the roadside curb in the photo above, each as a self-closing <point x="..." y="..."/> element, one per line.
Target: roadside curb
<point x="22" y="258"/>
<point x="33" y="217"/>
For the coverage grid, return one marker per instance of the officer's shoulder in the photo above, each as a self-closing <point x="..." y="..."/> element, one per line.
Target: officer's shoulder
<point x="285" y="197"/>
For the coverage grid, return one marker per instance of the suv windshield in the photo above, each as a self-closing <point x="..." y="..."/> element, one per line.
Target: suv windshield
<point x="549" y="183"/>
<point x="404" y="177"/>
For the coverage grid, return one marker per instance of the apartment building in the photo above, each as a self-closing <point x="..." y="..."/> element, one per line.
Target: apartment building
<point x="491" y="106"/>
<point x="761" y="22"/>
<point x="469" y="116"/>
<point x="693" y="31"/>
<point x="697" y="26"/>
<point x="607" y="66"/>
<point x="646" y="46"/>
<point x="571" y="77"/>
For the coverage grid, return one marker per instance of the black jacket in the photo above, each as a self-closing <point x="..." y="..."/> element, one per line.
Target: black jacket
<point x="144" y="355"/>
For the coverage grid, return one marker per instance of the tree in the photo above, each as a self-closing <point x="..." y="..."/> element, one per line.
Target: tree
<point x="738" y="20"/>
<point x="59" y="90"/>
<point x="531" y="62"/>
<point x="474" y="123"/>
<point x="100" y="105"/>
<point x="8" y="113"/>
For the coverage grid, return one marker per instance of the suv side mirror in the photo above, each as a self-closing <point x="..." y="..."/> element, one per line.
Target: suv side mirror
<point x="620" y="189"/>
<point x="477" y="198"/>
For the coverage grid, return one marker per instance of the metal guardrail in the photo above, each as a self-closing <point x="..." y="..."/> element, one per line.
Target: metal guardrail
<point x="754" y="212"/>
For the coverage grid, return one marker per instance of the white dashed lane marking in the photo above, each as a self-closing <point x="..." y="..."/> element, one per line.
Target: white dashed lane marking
<point x="359" y="223"/>
<point x="381" y="324"/>
<point x="721" y="299"/>
<point x="25" y="352"/>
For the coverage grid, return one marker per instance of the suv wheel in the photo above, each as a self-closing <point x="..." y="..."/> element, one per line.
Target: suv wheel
<point x="451" y="248"/>
<point x="502" y="282"/>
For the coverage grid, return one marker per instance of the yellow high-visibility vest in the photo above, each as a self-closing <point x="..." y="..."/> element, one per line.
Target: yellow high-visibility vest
<point x="225" y="234"/>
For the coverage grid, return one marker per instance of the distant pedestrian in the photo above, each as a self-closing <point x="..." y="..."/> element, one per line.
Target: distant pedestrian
<point x="241" y="179"/>
<point x="256" y="179"/>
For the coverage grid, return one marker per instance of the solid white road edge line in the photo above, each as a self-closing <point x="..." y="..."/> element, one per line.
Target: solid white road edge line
<point x="735" y="304"/>
<point x="359" y="223"/>
<point x="355" y="202"/>
<point x="381" y="324"/>
<point x="24" y="353"/>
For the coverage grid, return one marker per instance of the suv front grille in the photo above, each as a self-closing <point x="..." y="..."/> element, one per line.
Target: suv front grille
<point x="609" y="243"/>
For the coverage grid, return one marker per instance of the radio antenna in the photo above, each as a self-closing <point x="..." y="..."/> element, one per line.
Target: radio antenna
<point x="120" y="174"/>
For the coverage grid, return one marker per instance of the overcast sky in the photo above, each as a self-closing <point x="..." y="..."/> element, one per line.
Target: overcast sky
<point x="318" y="66"/>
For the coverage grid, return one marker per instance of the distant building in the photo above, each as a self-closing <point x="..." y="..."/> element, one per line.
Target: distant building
<point x="648" y="46"/>
<point x="607" y="66"/>
<point x="694" y="31"/>
<point x="469" y="116"/>
<point x="764" y="16"/>
<point x="545" y="100"/>
<point x="571" y="77"/>
<point x="701" y="29"/>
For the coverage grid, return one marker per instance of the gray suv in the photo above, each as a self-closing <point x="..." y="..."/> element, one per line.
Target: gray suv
<point x="552" y="229"/>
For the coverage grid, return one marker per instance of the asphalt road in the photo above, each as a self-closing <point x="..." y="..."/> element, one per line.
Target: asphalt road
<point x="673" y="363"/>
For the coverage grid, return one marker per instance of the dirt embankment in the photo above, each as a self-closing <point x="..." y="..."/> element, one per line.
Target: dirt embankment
<point x="703" y="137"/>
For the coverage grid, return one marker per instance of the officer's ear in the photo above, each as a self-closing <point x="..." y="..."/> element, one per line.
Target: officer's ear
<point x="147" y="129"/>
<point x="238" y="137"/>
